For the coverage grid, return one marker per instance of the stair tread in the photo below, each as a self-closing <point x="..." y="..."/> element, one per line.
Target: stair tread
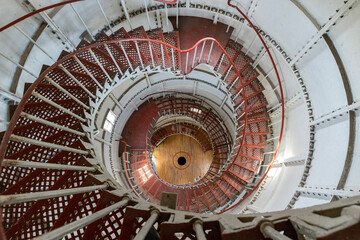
<point x="172" y="38"/>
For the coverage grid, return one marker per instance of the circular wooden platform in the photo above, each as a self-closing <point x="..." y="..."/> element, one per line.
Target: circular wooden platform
<point x="179" y="159"/>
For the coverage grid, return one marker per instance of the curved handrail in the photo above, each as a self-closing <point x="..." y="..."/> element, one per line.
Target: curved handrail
<point x="282" y="108"/>
<point x="33" y="86"/>
<point x="218" y="115"/>
<point x="28" y="93"/>
<point x="36" y="12"/>
<point x="167" y="2"/>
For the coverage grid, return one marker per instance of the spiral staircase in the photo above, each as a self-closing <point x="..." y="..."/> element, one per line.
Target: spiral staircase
<point x="55" y="185"/>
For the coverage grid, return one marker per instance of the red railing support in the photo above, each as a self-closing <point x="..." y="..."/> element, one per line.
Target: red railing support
<point x="36" y="12"/>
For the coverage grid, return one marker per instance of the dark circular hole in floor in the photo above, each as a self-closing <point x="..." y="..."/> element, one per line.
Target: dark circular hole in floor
<point x="181" y="161"/>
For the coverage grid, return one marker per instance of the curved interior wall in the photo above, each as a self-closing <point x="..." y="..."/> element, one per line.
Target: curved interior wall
<point x="282" y="21"/>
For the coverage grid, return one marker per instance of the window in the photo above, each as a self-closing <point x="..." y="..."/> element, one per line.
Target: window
<point x="110" y="121"/>
<point x="195" y="110"/>
<point x="145" y="173"/>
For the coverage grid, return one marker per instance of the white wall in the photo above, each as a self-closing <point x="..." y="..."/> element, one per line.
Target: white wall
<point x="287" y="25"/>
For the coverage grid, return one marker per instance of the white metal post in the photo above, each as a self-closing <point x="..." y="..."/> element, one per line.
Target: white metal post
<point x="16" y="138"/>
<point x="60" y="232"/>
<point x="187" y="60"/>
<point x="211" y="47"/>
<point x="35" y="94"/>
<point x="126" y="56"/>
<point x="173" y="58"/>
<point x="51" y="124"/>
<point x="41" y="165"/>
<point x="35" y="43"/>
<point x="236" y="79"/>
<point x="167" y="17"/>
<point x="202" y="51"/>
<point x="221" y="60"/>
<point x="34" y="196"/>
<point x="147" y="14"/>
<point x="138" y="52"/>
<point x="100" y="65"/>
<point x="17" y="64"/>
<point x="126" y="13"/>
<point x="113" y="59"/>
<point x="162" y="55"/>
<point x="52" y="82"/>
<point x="56" y="28"/>
<point x="199" y="231"/>
<point x="193" y="63"/>
<point x="177" y="14"/>
<point x="148" y="225"/>
<point x="267" y="75"/>
<point x="242" y="103"/>
<point x="83" y="22"/>
<point x="237" y="94"/>
<point x="151" y="54"/>
<point x="88" y="72"/>
<point x="228" y="72"/>
<point x="103" y="13"/>
<point x="77" y="81"/>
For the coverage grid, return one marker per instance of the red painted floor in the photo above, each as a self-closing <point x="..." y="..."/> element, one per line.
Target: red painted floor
<point x="192" y="29"/>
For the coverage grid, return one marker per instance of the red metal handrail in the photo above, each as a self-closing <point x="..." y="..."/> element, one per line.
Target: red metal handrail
<point x="282" y="108"/>
<point x="167" y="2"/>
<point x="26" y="96"/>
<point x="36" y="12"/>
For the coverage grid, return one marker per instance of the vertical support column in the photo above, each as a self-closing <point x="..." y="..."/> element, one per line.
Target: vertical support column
<point x="173" y="58"/>
<point x="138" y="52"/>
<point x="83" y="22"/>
<point x="221" y="60"/>
<point x="211" y="47"/>
<point x="148" y="225"/>
<point x="151" y="54"/>
<point x="199" y="231"/>
<point x="126" y="13"/>
<point x="193" y="63"/>
<point x="147" y="14"/>
<point x="106" y="19"/>
<point x="126" y="56"/>
<point x="57" y="29"/>
<point x="162" y="55"/>
<point x="113" y="59"/>
<point x="202" y="51"/>
<point x="167" y="17"/>
<point x="177" y="14"/>
<point x="267" y="229"/>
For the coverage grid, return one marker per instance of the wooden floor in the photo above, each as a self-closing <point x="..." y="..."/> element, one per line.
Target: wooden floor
<point x="166" y="159"/>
